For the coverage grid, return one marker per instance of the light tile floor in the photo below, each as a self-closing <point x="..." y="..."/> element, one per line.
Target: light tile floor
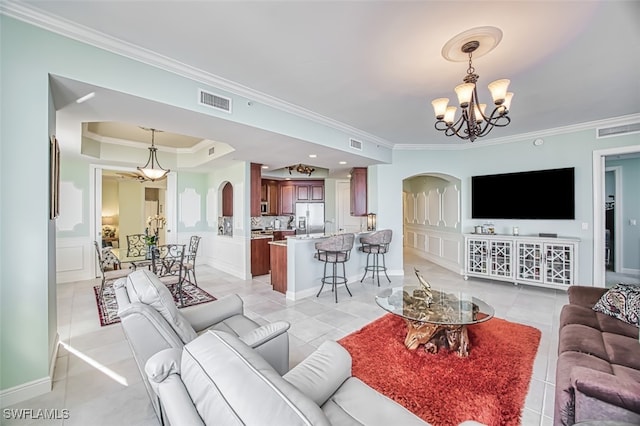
<point x="97" y="380"/>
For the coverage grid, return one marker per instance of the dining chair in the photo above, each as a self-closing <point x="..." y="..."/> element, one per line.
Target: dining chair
<point x="136" y="245"/>
<point x="190" y="260"/>
<point x="110" y="267"/>
<point x="167" y="263"/>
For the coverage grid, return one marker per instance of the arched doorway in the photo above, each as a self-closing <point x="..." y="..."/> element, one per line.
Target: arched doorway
<point x="432" y="215"/>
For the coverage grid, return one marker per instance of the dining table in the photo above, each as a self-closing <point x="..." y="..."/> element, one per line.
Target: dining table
<point x="166" y="261"/>
<point x="135" y="261"/>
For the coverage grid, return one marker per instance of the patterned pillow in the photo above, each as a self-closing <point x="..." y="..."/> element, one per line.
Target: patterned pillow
<point x="621" y="302"/>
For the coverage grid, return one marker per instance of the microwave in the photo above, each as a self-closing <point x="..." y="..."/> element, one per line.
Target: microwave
<point x="263" y="207"/>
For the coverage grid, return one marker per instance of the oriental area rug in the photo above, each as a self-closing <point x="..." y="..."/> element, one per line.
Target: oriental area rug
<point x="108" y="307"/>
<point x="489" y="386"/>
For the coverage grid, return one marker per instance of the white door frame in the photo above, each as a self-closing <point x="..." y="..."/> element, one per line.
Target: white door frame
<point x="599" y="155"/>
<point x="95" y="206"/>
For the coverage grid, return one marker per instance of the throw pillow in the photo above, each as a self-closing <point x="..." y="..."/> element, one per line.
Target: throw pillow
<point x="621" y="302"/>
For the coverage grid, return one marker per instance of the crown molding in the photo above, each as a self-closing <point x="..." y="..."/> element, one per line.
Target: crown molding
<point x="66" y="28"/>
<point x="590" y="125"/>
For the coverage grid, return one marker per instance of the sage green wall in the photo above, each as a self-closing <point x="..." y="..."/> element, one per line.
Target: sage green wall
<point x="27" y="236"/>
<point x="565" y="150"/>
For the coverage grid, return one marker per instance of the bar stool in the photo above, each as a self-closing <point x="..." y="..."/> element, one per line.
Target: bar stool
<point x="334" y="250"/>
<point x="376" y="243"/>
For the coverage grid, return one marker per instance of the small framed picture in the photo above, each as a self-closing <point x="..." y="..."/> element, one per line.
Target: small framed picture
<point x="54" y="178"/>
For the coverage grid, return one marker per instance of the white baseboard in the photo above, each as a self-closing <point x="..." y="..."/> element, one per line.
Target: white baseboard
<point x="33" y="388"/>
<point x="25" y="391"/>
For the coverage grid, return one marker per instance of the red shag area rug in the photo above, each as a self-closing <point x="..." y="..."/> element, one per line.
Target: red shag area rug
<point x="488" y="386"/>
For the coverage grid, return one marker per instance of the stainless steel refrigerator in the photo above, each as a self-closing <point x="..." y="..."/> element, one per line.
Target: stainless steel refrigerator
<point x="309" y="218"/>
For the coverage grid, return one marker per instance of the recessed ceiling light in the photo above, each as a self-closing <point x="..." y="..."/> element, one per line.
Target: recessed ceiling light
<point x="264" y="166"/>
<point x="312" y="155"/>
<point x="85" y="97"/>
<point x="342" y="162"/>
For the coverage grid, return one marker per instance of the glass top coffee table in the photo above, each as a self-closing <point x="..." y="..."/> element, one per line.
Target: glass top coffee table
<point x="435" y="318"/>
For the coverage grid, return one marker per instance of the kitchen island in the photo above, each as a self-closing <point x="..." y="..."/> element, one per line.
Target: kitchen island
<point x="304" y="271"/>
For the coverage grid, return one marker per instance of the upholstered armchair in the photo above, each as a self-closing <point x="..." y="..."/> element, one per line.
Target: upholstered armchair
<point x="152" y="322"/>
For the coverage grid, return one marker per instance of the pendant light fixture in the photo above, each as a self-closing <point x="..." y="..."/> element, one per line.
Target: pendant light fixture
<point x="153" y="170"/>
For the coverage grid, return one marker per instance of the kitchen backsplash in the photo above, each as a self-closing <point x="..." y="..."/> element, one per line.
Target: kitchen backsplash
<point x="272" y="222"/>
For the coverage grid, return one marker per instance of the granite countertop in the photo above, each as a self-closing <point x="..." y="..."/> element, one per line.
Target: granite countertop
<point x="282" y="243"/>
<point x="261" y="236"/>
<point x="323" y="235"/>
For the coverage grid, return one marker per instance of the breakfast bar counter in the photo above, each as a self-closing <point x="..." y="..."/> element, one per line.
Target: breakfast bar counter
<point x="304" y="271"/>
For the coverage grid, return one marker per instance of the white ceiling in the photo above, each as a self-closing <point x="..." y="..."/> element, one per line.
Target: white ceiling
<point x="376" y="65"/>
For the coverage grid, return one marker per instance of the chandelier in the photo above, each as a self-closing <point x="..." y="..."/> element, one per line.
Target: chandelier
<point x="153" y="170"/>
<point x="473" y="121"/>
<point x="301" y="168"/>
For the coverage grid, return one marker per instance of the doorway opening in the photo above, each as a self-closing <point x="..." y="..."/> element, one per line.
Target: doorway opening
<point x="608" y="217"/>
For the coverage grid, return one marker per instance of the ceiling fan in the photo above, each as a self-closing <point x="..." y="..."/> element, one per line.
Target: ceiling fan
<point x="135" y="176"/>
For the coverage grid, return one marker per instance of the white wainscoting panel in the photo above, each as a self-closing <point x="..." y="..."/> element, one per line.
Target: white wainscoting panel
<point x="421" y="242"/>
<point x="422" y="206"/>
<point x="74" y="259"/>
<point x="410" y="209"/>
<point x="435" y="246"/>
<point x="433" y="216"/>
<point x="190" y="207"/>
<point x="451" y="251"/>
<point x="451" y="206"/>
<point x="212" y="216"/>
<point x="69" y="259"/>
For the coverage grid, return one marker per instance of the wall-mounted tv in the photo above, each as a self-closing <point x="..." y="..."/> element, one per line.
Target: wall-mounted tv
<point x="537" y="194"/>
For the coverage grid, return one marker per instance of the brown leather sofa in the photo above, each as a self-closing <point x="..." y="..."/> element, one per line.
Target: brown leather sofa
<point x="598" y="369"/>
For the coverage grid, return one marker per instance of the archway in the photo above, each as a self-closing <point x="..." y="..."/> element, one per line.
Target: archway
<point x="432" y="215"/>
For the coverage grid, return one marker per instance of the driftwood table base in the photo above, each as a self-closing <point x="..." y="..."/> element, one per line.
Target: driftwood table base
<point x="453" y="338"/>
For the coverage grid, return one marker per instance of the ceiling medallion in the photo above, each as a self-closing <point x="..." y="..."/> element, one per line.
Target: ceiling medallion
<point x="473" y="121"/>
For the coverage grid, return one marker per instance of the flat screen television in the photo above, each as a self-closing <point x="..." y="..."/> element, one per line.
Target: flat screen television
<point x="537" y="194"/>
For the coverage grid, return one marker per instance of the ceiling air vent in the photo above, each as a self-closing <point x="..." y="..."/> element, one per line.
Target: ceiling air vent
<point x="355" y="144"/>
<point x="214" y="101"/>
<point x="625" y="129"/>
<point x="211" y="150"/>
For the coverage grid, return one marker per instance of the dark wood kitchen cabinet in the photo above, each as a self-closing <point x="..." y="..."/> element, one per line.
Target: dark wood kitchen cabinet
<point x="279" y="267"/>
<point x="359" y="191"/>
<point x="256" y="189"/>
<point x="270" y="196"/>
<point x="287" y="198"/>
<point x="260" y="256"/>
<point x="310" y="191"/>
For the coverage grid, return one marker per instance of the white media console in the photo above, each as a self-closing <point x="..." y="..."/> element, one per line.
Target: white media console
<point x="541" y="261"/>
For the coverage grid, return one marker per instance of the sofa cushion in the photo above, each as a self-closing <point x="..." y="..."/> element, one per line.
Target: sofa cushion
<point x="229" y="383"/>
<point x="580" y="338"/>
<point x="145" y="287"/>
<point x="622" y="350"/>
<point x="621" y="302"/>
